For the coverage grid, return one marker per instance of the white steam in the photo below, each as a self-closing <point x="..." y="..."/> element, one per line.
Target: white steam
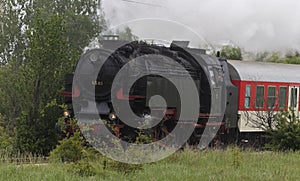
<point x="255" y="25"/>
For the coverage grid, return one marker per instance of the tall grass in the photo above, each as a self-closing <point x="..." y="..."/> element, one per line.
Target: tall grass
<point x="231" y="164"/>
<point x="21" y="158"/>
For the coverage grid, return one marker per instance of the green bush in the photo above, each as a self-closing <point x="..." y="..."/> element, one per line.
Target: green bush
<point x="69" y="150"/>
<point x="286" y="133"/>
<point x="125" y="167"/>
<point x="236" y="157"/>
<point x="231" y="52"/>
<point x="292" y="60"/>
<point x="5" y="140"/>
<point x="82" y="168"/>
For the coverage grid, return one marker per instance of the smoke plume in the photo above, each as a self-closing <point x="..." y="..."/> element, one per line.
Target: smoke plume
<point x="254" y="25"/>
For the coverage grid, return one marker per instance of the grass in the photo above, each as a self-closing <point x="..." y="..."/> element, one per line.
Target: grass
<point x="231" y="164"/>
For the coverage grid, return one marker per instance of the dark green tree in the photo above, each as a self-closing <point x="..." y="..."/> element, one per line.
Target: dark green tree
<point x="83" y="20"/>
<point x="230" y="52"/>
<point x="40" y="42"/>
<point x="44" y="72"/>
<point x="12" y="96"/>
<point x="6" y="140"/>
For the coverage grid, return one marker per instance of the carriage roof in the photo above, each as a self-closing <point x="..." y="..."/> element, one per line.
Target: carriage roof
<point x="264" y="71"/>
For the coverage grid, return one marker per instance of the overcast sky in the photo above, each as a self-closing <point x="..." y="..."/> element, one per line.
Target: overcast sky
<point x="252" y="24"/>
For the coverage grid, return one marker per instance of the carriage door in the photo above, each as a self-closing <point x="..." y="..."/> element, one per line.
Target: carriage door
<point x="294" y="98"/>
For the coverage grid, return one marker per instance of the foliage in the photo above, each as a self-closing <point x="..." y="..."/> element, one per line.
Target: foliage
<point x="282" y="128"/>
<point x="268" y="57"/>
<point x="12" y="95"/>
<point x="125" y="167"/>
<point x="11" y="35"/>
<point x="82" y="168"/>
<point x="40" y="42"/>
<point x="6" y="141"/>
<point x="69" y="150"/>
<point x="286" y="134"/>
<point x="230" y="52"/>
<point x="45" y="57"/>
<point x="292" y="60"/>
<point x="261" y="56"/>
<point x="274" y="57"/>
<point x="277" y="57"/>
<point x="236" y="160"/>
<point x="83" y="21"/>
<point x="126" y="34"/>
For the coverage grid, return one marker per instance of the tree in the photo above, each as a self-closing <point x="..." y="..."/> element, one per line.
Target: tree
<point x="44" y="72"/>
<point x="83" y="18"/>
<point x="127" y="34"/>
<point x="286" y="132"/>
<point x="6" y="140"/>
<point x="11" y="35"/>
<point x="277" y="57"/>
<point x="262" y="56"/>
<point x="230" y="52"/>
<point x="282" y="128"/>
<point x="12" y="96"/>
<point x="54" y="34"/>
<point x="292" y="58"/>
<point x="259" y="119"/>
<point x="274" y="57"/>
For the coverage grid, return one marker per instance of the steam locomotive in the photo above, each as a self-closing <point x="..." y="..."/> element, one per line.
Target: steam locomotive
<point x="225" y="91"/>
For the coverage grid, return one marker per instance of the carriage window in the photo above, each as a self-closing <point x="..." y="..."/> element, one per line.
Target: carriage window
<point x="260" y="96"/>
<point x="282" y="97"/>
<point x="293" y="101"/>
<point x="247" y="96"/>
<point x="271" y="96"/>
